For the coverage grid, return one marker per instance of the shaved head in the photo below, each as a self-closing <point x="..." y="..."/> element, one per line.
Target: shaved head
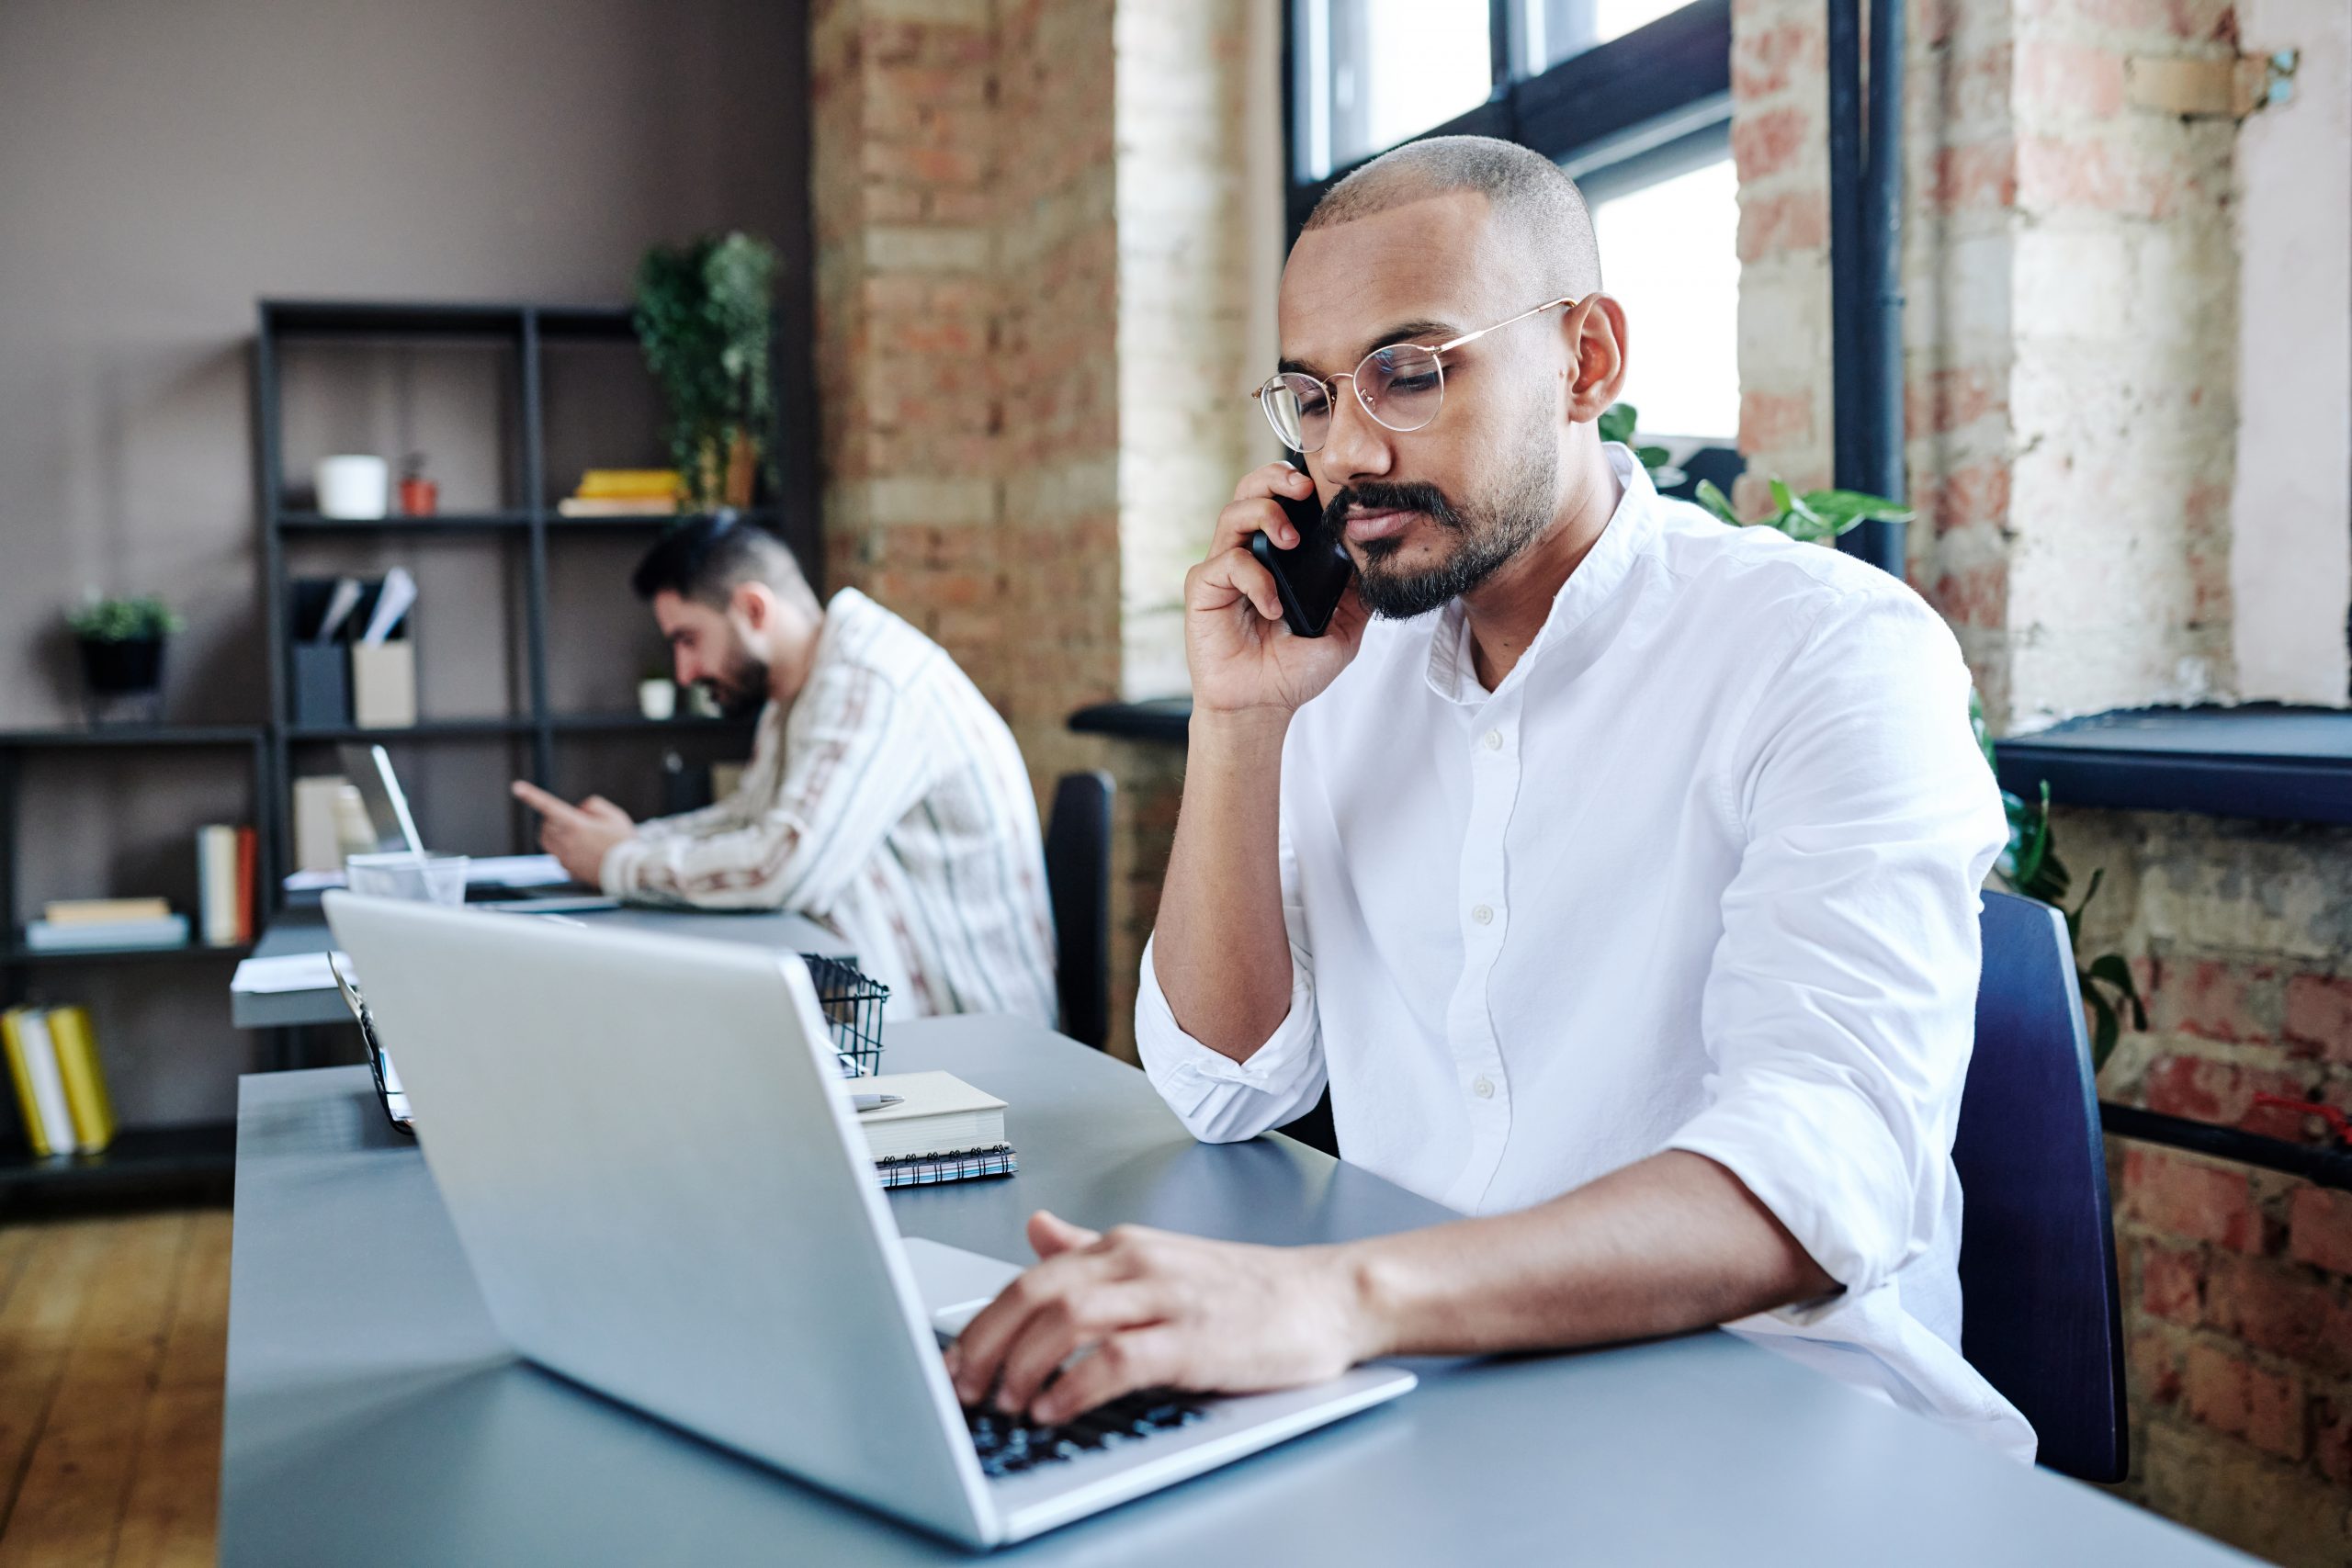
<point x="1533" y="205"/>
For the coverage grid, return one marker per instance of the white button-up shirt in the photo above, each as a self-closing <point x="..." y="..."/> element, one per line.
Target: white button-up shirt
<point x="1701" y="873"/>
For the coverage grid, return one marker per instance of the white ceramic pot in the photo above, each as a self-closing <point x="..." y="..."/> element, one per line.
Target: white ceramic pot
<point x="352" y="484"/>
<point x="657" y="699"/>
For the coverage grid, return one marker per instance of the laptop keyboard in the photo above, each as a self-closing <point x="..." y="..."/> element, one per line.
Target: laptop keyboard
<point x="1008" y="1444"/>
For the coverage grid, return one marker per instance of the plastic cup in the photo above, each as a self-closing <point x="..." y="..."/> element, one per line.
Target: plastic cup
<point x="432" y="879"/>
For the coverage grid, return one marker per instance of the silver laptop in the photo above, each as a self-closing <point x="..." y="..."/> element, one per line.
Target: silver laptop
<point x="369" y="769"/>
<point x="649" y="1158"/>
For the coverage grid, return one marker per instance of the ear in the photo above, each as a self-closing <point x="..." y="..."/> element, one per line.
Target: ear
<point x="752" y="603"/>
<point x="1596" y="345"/>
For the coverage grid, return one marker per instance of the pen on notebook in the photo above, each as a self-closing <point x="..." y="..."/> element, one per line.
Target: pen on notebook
<point x="876" y="1102"/>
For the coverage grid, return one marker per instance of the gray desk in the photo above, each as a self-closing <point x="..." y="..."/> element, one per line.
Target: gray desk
<point x="373" y="1414"/>
<point x="304" y="930"/>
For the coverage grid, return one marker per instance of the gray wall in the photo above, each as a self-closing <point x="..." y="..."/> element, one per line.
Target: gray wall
<point x="164" y="164"/>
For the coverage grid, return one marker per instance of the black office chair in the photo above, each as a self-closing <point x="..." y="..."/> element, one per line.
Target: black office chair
<point x="2041" y="1317"/>
<point x="1078" y="880"/>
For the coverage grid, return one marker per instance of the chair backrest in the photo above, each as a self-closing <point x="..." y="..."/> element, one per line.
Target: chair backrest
<point x="2040" y="1315"/>
<point x="1077" y="879"/>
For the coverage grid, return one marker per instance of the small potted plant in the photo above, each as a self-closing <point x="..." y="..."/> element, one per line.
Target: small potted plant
<point x="122" y="644"/>
<point x="704" y="317"/>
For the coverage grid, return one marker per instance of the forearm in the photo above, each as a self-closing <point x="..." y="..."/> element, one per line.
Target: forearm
<point x="1219" y="949"/>
<point x="1672" y="1243"/>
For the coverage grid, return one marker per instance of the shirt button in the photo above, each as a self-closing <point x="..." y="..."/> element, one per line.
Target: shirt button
<point x="1494" y="740"/>
<point x="1483" y="914"/>
<point x="1483" y="1087"/>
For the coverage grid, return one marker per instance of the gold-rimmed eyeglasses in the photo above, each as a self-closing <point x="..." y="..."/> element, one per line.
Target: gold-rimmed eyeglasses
<point x="1401" y="387"/>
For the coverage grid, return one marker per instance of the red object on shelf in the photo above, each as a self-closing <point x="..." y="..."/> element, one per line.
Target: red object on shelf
<point x="419" y="497"/>
<point x="248" y="854"/>
<point x="2336" y="1120"/>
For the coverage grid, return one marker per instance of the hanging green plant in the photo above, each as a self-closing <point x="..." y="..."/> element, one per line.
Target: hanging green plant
<point x="705" y="316"/>
<point x="2029" y="863"/>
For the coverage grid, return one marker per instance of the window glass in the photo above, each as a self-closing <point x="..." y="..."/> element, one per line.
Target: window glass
<point x="1551" y="30"/>
<point x="1374" y="73"/>
<point x="1669" y="253"/>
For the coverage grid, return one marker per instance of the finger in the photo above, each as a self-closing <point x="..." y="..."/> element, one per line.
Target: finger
<point x="541" y="801"/>
<point x="1238" y="575"/>
<point x="1050" y="1234"/>
<point x="1257" y="515"/>
<point x="1274" y="478"/>
<point x="981" y="1348"/>
<point x="1066" y="1327"/>
<point x="1134" y="1358"/>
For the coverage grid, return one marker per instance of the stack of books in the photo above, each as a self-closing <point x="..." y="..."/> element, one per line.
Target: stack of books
<point x="938" y="1128"/>
<point x="87" y="925"/>
<point x="61" y="1086"/>
<point x="623" y="492"/>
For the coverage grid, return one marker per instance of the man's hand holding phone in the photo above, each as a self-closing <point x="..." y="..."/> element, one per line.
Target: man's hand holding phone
<point x="1243" y="657"/>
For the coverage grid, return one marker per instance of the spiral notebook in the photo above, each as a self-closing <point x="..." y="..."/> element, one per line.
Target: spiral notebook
<point x="933" y="1128"/>
<point x="962" y="1165"/>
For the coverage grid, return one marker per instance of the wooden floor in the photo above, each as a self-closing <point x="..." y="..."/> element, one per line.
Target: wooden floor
<point x="113" y="1333"/>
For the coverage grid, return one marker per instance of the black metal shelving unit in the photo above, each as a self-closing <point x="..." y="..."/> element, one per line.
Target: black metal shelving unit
<point x="530" y="525"/>
<point x="157" y="1154"/>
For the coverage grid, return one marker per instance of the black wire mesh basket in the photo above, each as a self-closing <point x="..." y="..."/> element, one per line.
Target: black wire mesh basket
<point x="852" y="1003"/>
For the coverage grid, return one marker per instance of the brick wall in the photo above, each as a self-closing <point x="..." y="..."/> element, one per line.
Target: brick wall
<point x="980" y="215"/>
<point x="2071" y="340"/>
<point x="2238" y="1283"/>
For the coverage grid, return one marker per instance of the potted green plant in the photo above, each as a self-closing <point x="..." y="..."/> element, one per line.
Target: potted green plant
<point x="704" y="315"/>
<point x="122" y="644"/>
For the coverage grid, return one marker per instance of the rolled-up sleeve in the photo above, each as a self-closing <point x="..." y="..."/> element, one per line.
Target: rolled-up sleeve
<point x="1219" y="1100"/>
<point x="1839" y="1010"/>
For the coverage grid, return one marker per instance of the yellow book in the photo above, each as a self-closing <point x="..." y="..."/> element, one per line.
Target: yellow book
<point x="87" y="1100"/>
<point x="12" y="1039"/>
<point x="100" y="911"/>
<point x="604" y="482"/>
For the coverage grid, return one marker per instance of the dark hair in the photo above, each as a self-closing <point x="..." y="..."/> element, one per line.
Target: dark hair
<point x="709" y="558"/>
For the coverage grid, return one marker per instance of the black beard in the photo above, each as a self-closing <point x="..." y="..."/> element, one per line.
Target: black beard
<point x="1487" y="538"/>
<point x="745" y="691"/>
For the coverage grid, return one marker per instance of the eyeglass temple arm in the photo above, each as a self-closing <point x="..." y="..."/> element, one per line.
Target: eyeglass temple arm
<point x="1570" y="300"/>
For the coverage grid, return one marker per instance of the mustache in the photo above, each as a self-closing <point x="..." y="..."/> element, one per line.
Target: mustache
<point x="1377" y="496"/>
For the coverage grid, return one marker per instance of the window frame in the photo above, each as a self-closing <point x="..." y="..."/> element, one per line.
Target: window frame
<point x="1611" y="91"/>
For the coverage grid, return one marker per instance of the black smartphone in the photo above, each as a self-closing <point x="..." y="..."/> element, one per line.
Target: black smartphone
<point x="1311" y="576"/>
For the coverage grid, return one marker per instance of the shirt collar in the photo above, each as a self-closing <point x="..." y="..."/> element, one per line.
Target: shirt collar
<point x="1453" y="674"/>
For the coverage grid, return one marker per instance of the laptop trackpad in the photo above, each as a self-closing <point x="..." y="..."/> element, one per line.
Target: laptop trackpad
<point x="955" y="1284"/>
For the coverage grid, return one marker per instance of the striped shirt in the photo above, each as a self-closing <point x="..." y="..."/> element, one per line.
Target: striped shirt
<point x="889" y="803"/>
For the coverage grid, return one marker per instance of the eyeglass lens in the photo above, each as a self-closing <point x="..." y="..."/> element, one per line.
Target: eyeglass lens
<point x="1400" y="386"/>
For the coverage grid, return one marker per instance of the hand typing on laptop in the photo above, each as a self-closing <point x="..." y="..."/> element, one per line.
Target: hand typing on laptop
<point x="1157" y="1310"/>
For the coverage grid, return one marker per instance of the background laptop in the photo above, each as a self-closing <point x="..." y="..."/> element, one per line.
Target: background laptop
<point x="719" y="1254"/>
<point x="369" y="769"/>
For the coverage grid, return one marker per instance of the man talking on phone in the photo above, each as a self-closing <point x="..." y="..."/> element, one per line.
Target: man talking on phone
<point x="1615" y="869"/>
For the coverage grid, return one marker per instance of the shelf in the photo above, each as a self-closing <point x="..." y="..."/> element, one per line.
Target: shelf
<point x="434" y="729"/>
<point x="438" y="523"/>
<point x="2261" y="760"/>
<point x="340" y="317"/>
<point x="1166" y="719"/>
<point x="120" y="736"/>
<point x="630" y="723"/>
<point x="765" y="516"/>
<point x="19" y="955"/>
<point x="137" y="1154"/>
